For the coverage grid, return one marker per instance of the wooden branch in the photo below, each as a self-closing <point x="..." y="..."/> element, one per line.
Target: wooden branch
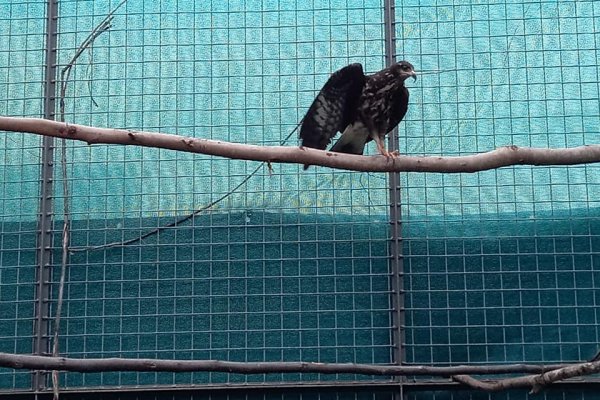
<point x="534" y="382"/>
<point x="545" y="374"/>
<point x="501" y="157"/>
<point x="32" y="362"/>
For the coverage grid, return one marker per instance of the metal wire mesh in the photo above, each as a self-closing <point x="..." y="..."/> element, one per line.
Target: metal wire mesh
<point x="289" y="266"/>
<point x="339" y="393"/>
<point x="292" y="265"/>
<point x="500" y="264"/>
<point x="509" y="395"/>
<point x="21" y="73"/>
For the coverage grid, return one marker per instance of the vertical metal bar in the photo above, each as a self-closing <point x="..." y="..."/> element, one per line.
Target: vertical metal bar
<point x="395" y="246"/>
<point x="41" y="332"/>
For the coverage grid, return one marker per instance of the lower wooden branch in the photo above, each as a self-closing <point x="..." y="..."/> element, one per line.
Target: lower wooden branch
<point x="534" y="382"/>
<point x="22" y="361"/>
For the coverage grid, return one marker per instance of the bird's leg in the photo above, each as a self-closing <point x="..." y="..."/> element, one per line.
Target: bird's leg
<point x="381" y="146"/>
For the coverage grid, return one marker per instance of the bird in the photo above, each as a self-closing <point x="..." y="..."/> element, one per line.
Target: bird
<point x="362" y="107"/>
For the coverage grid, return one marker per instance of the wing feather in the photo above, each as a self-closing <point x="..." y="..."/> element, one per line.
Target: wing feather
<point x="398" y="108"/>
<point x="333" y="108"/>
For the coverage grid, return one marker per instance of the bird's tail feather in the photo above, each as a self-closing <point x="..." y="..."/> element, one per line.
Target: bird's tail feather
<point x="352" y="140"/>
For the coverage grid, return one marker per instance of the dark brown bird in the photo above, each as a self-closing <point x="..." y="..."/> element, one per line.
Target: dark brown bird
<point x="362" y="107"/>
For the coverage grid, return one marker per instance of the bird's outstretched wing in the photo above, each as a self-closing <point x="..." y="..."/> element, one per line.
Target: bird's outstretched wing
<point x="334" y="107"/>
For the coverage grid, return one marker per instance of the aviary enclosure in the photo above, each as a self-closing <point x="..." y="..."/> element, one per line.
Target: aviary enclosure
<point x="179" y="256"/>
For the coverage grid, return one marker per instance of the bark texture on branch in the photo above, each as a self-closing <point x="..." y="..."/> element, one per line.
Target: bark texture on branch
<point x="544" y="374"/>
<point x="534" y="382"/>
<point x="501" y="157"/>
<point x="33" y="362"/>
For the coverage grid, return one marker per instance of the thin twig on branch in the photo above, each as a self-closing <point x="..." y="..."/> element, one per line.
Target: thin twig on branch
<point x="87" y="44"/>
<point x="21" y="361"/>
<point x="501" y="157"/>
<point x="534" y="382"/>
<point x="184" y="219"/>
<point x="177" y="222"/>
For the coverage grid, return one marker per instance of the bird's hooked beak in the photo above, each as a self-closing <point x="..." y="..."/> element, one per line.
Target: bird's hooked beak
<point x="408" y="74"/>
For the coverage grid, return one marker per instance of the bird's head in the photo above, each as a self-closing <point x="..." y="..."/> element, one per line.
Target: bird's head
<point x="404" y="69"/>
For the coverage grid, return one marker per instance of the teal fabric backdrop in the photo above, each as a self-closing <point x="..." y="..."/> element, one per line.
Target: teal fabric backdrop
<point x="499" y="266"/>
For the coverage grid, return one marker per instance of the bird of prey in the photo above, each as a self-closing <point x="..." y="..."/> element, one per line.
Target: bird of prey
<point x="362" y="107"/>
